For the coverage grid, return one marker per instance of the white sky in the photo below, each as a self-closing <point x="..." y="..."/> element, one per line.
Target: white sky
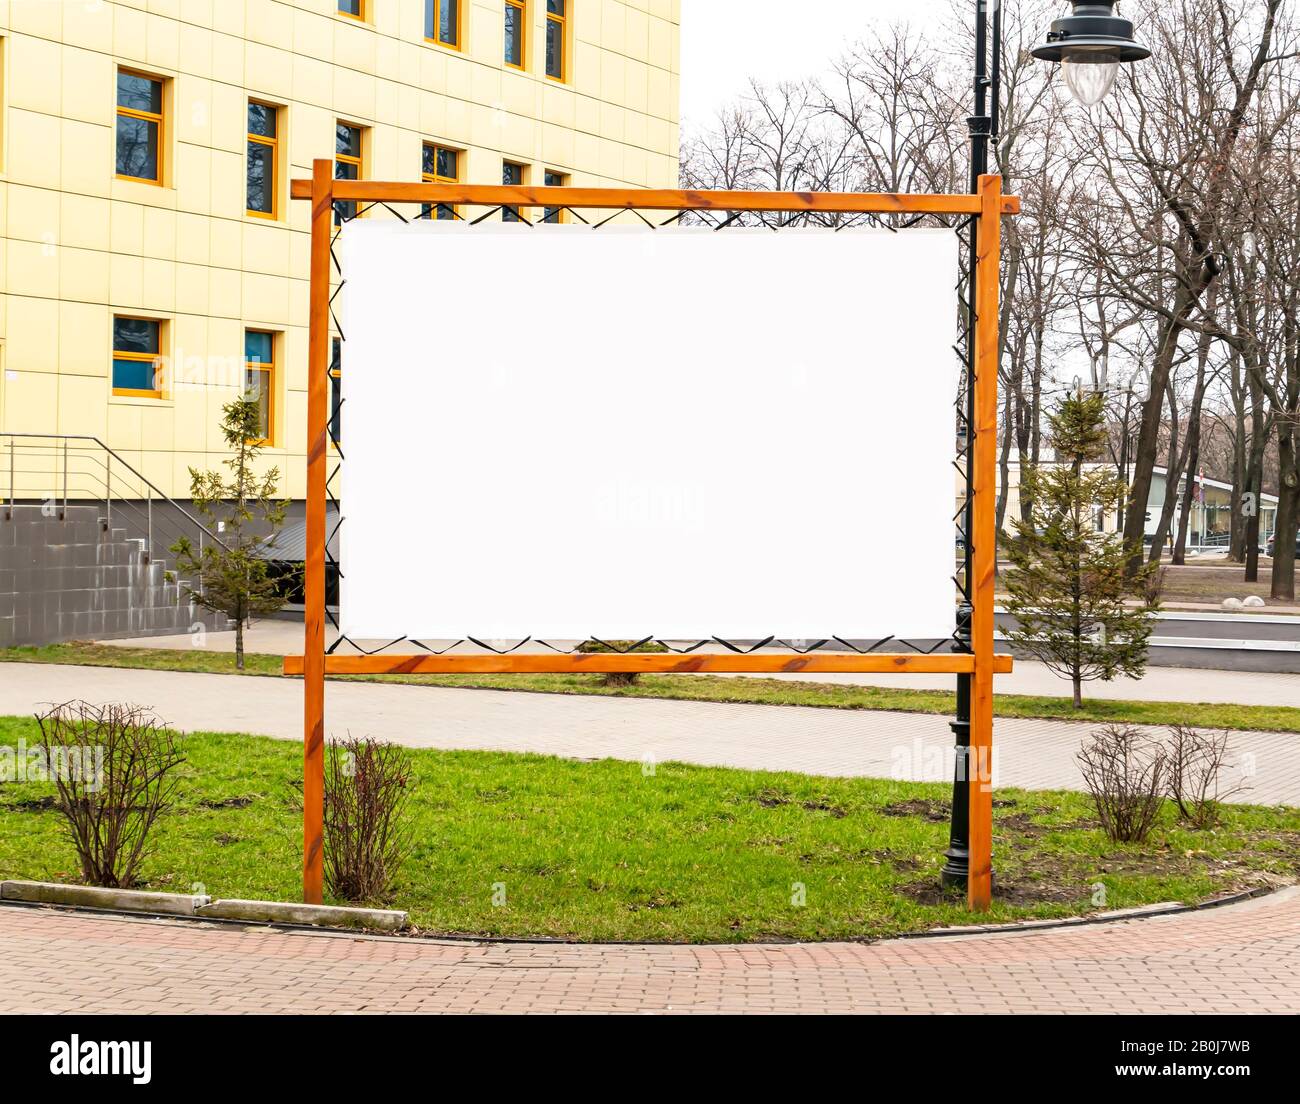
<point x="725" y="43"/>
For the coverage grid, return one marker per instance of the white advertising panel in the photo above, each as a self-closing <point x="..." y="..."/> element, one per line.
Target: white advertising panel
<point x="564" y="433"/>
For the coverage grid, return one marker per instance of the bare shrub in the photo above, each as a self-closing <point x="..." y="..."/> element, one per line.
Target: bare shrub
<point x="625" y="647"/>
<point x="1196" y="763"/>
<point x="367" y="786"/>
<point x="1153" y="587"/>
<point x="1126" y="772"/>
<point x="114" y="768"/>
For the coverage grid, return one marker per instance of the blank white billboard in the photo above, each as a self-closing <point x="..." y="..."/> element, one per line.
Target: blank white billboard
<point x="564" y="433"/>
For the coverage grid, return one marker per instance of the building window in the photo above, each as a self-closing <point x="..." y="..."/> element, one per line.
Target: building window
<point x="442" y="22"/>
<point x="554" y="180"/>
<point x="354" y="8"/>
<point x="259" y="379"/>
<point x="336" y="397"/>
<point x="139" y="127"/>
<point x="511" y="173"/>
<point x="137" y="357"/>
<point x="441" y="165"/>
<point x="556" y="34"/>
<point x="263" y="153"/>
<point x="347" y="166"/>
<point x="516" y="32"/>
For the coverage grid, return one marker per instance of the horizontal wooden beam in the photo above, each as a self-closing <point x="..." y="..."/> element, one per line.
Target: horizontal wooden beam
<point x="655" y="663"/>
<point x="651" y="199"/>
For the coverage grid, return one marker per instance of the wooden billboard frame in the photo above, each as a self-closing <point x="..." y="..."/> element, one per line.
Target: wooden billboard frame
<point x="986" y="208"/>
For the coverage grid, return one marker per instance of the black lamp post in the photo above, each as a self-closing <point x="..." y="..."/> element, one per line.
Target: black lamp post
<point x="1091" y="44"/>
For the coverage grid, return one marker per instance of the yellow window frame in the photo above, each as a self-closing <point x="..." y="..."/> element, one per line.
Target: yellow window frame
<point x="522" y="7"/>
<point x="158" y="360"/>
<point x="361" y="14"/>
<point x="159" y="117"/>
<point x="563" y="22"/>
<point x="459" y="44"/>
<point x="273" y="144"/>
<point x="435" y="178"/>
<point x="269" y="371"/>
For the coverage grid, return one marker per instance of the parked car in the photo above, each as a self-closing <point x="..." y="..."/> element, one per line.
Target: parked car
<point x="1273" y="540"/>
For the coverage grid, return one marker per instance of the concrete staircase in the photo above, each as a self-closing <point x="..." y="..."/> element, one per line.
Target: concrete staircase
<point x="65" y="575"/>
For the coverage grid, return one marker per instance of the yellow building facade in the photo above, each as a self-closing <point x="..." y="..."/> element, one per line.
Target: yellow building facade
<point x="154" y="265"/>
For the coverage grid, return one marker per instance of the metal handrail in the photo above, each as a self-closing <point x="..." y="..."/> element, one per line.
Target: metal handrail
<point x="59" y="442"/>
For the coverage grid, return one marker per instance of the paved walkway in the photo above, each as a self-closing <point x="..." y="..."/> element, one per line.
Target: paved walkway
<point x="1029" y="753"/>
<point x="276" y="637"/>
<point x="1234" y="959"/>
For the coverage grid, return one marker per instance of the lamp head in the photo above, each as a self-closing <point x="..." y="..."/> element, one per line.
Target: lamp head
<point x="1091" y="44"/>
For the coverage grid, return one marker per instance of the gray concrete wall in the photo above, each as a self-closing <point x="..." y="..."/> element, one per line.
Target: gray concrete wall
<point x="72" y="578"/>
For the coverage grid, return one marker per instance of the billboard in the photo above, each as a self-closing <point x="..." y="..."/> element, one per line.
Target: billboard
<point x="558" y="433"/>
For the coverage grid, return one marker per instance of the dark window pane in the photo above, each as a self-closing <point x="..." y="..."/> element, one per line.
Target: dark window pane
<point x="555" y="7"/>
<point x="258" y="346"/>
<point x="347" y="140"/>
<point x="554" y="49"/>
<point x="442" y="21"/>
<point x="336" y="399"/>
<point x="553" y="180"/>
<point x="430" y="161"/>
<point x="350" y="7"/>
<point x="257" y="386"/>
<point x="511" y="174"/>
<point x="447" y="164"/>
<point x="137" y="147"/>
<point x="261" y="120"/>
<point x="134" y="375"/>
<point x="514" y="35"/>
<point x="261" y="172"/>
<point x="135" y="335"/>
<point x="139" y="93"/>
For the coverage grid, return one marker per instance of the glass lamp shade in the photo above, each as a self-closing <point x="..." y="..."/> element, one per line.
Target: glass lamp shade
<point x="1090" y="74"/>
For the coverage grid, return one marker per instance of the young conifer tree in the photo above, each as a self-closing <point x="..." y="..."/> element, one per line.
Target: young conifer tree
<point x="231" y="577"/>
<point x="1075" y="607"/>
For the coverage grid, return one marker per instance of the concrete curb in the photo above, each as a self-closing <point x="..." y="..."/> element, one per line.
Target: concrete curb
<point x="125" y="900"/>
<point x="200" y="905"/>
<point x="330" y="916"/>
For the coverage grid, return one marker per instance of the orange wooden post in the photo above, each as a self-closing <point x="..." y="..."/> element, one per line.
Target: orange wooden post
<point x="979" y="884"/>
<point x="318" y="341"/>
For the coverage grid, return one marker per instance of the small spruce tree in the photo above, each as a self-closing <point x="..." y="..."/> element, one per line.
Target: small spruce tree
<point x="241" y="507"/>
<point x="1067" y="588"/>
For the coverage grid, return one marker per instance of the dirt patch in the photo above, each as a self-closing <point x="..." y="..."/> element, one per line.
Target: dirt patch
<point x="226" y="802"/>
<point x="924" y="807"/>
<point x="772" y="799"/>
<point x="34" y="804"/>
<point x="1011" y="891"/>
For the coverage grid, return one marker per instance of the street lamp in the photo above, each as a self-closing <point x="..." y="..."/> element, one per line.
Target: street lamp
<point x="1091" y="45"/>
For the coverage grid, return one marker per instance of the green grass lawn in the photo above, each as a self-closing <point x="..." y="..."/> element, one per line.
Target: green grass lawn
<point x="761" y="691"/>
<point x="602" y="851"/>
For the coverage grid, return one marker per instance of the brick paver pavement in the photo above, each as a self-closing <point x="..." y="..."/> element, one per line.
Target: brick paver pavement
<point x="1034" y="754"/>
<point x="1238" y="958"/>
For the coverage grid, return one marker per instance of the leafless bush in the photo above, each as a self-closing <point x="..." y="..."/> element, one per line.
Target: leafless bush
<point x="1153" y="586"/>
<point x="367" y="785"/>
<point x="1126" y="772"/>
<point x="114" y="767"/>
<point x="620" y="678"/>
<point x="1196" y="763"/>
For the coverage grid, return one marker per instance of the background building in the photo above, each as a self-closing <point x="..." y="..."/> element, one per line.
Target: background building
<point x="154" y="266"/>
